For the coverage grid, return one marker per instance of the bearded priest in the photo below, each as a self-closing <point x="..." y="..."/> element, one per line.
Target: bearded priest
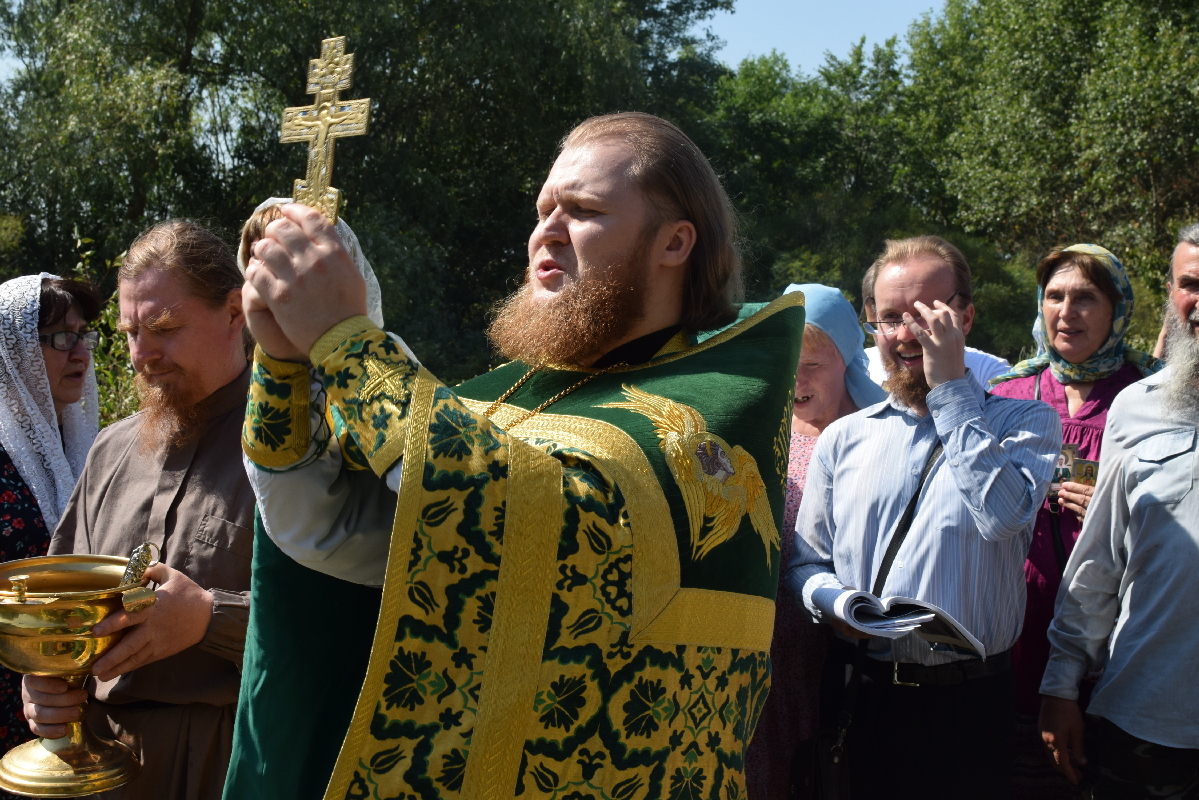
<point x="578" y="551"/>
<point x="169" y="476"/>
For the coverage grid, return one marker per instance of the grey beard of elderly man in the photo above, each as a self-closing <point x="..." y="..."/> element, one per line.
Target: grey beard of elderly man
<point x="1182" y="354"/>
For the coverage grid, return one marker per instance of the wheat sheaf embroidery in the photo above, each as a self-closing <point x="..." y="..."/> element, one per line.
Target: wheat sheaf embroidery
<point x="720" y="483"/>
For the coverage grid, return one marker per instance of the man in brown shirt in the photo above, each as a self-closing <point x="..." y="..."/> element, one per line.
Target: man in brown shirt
<point x="172" y="475"/>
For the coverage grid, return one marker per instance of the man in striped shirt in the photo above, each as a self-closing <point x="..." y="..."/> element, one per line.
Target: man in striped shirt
<point x="929" y="720"/>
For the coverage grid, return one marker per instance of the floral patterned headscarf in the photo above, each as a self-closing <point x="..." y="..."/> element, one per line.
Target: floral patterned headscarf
<point x="1105" y="361"/>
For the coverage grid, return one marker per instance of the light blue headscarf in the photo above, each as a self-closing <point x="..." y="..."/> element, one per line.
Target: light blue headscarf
<point x="827" y="309"/>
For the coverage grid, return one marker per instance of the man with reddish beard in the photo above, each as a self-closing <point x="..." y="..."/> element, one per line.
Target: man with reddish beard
<point x="553" y="319"/>
<point x="929" y="720"/>
<point x="169" y="475"/>
<point x="578" y="550"/>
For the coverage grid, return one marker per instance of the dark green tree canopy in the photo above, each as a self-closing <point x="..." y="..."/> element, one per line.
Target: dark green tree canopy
<point x="126" y="113"/>
<point x="1009" y="126"/>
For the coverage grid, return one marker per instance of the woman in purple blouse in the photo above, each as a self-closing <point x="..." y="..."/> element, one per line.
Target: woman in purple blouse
<point x="1085" y="306"/>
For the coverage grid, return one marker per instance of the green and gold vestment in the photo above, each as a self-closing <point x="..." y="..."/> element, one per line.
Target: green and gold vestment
<point x="577" y="605"/>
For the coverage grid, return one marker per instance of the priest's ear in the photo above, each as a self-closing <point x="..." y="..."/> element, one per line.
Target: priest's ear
<point x="675" y="242"/>
<point x="237" y="320"/>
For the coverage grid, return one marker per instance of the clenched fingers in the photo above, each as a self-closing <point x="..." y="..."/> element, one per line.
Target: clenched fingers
<point x="48" y="703"/>
<point x="313" y="223"/>
<point x="266" y="285"/>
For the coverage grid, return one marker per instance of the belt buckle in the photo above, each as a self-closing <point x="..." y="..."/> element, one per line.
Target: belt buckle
<point x="895" y="676"/>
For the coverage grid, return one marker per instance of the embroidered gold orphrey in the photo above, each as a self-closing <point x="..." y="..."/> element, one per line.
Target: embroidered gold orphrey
<point x="528" y="643"/>
<point x="720" y="484"/>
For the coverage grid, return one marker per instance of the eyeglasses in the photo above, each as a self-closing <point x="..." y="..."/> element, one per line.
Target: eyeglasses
<point x="886" y="327"/>
<point x="66" y="340"/>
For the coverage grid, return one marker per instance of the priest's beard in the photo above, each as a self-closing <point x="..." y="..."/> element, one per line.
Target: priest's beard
<point x="170" y="414"/>
<point x="581" y="322"/>
<point x="906" y="385"/>
<point x="1182" y="354"/>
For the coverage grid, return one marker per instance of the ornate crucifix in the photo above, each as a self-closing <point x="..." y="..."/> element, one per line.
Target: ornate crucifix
<point x="329" y="118"/>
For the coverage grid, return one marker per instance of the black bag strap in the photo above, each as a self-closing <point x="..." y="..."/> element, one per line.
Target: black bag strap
<point x="905" y="523"/>
<point x="901" y="532"/>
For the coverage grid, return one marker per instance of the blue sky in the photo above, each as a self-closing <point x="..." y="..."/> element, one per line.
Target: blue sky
<point x="804" y="30"/>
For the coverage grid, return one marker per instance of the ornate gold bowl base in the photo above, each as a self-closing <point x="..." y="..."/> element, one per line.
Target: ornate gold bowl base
<point x="46" y="623"/>
<point x="78" y="764"/>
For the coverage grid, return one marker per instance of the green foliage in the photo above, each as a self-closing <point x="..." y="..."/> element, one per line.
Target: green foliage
<point x="126" y="113"/>
<point x="806" y="160"/>
<point x="12" y="231"/>
<point x="1008" y="126"/>
<point x="824" y="168"/>
<point x="1014" y="127"/>
<point x="114" y="371"/>
<point x="1064" y="122"/>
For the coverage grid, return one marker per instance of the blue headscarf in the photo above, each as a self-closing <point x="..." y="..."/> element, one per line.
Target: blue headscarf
<point x="827" y="309"/>
<point x="1110" y="357"/>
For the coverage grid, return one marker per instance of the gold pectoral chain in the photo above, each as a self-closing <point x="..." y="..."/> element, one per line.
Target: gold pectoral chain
<point x="495" y="406"/>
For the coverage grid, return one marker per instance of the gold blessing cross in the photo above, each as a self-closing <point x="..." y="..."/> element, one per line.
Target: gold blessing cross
<point x="329" y="118"/>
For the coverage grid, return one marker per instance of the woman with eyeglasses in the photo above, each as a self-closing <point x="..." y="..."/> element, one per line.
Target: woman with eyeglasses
<point x="49" y="415"/>
<point x="1084" y="308"/>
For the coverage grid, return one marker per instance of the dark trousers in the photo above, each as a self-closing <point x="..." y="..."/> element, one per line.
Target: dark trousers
<point x="926" y="742"/>
<point x="1124" y="767"/>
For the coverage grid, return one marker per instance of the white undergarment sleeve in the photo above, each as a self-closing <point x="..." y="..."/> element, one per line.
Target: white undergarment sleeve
<point x="327" y="518"/>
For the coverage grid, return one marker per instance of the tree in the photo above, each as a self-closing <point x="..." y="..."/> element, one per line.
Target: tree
<point x="805" y="160"/>
<point x="825" y="168"/>
<point x="1054" y="122"/>
<point x="126" y="113"/>
<point x="1007" y="126"/>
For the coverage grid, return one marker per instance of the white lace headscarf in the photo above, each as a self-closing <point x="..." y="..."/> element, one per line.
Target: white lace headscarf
<point x="374" y="295"/>
<point x="49" y="464"/>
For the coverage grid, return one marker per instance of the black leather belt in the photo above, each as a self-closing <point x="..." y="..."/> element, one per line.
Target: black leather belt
<point x="951" y="674"/>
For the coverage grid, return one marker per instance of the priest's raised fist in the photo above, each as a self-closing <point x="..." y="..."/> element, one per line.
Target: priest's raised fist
<point x="303" y="275"/>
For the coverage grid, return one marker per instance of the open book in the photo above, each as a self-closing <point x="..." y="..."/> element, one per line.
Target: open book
<point x="894" y="617"/>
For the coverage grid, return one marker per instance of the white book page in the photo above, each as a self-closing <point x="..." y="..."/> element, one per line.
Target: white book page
<point x="894" y="617"/>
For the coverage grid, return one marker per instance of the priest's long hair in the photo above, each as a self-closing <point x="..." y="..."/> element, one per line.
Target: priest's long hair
<point x="680" y="184"/>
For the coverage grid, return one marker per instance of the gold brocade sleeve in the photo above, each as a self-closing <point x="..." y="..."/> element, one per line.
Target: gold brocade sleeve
<point x="369" y="383"/>
<point x="277" y="430"/>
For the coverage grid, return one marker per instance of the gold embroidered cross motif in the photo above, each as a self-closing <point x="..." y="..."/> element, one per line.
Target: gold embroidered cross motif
<point x="720" y="483"/>
<point x="381" y="381"/>
<point x="321" y="124"/>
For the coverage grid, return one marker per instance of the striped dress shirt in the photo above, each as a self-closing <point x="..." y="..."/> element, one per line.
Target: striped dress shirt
<point x="973" y="525"/>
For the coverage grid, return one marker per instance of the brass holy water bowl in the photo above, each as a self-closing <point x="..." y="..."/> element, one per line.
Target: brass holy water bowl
<point x="46" y="620"/>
